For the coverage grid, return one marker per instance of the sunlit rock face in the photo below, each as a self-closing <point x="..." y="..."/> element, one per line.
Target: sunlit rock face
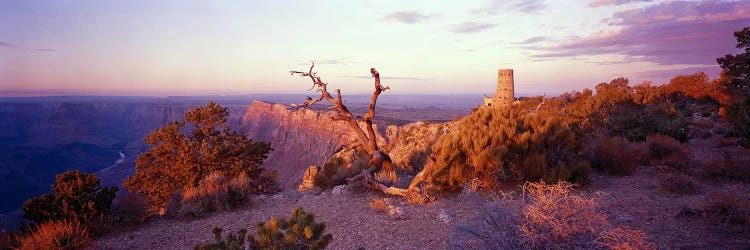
<point x="300" y="138"/>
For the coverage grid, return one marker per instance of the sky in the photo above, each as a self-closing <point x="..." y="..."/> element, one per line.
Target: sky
<point x="183" y="47"/>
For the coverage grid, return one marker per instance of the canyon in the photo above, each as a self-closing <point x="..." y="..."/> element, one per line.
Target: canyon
<point x="45" y="136"/>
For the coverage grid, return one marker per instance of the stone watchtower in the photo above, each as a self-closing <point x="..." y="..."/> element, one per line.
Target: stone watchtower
<point x="504" y="93"/>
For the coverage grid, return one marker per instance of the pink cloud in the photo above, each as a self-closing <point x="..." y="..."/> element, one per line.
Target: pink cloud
<point x="678" y="32"/>
<point x="600" y="3"/>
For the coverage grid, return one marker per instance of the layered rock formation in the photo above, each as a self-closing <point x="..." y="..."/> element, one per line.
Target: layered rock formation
<point x="300" y="138"/>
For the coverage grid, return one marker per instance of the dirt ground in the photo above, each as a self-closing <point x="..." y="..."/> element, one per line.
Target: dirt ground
<point x="635" y="201"/>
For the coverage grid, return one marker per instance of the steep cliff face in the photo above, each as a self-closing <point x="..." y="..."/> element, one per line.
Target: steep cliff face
<point x="303" y="138"/>
<point x="300" y="138"/>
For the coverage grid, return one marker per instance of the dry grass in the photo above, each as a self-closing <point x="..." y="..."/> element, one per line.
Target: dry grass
<point x="378" y="205"/>
<point x="215" y="193"/>
<point x="57" y="235"/>
<point x="728" y="209"/>
<point x="678" y="184"/>
<point x="621" y="238"/>
<point x="555" y="217"/>
<point x="728" y="167"/>
<point x="552" y="217"/>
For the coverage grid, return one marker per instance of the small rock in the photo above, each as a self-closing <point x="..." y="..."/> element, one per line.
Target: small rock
<point x="624" y="218"/>
<point x="396" y="212"/>
<point x="445" y="216"/>
<point x="337" y="190"/>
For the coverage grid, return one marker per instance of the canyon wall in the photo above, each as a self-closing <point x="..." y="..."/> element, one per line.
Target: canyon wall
<point x="300" y="138"/>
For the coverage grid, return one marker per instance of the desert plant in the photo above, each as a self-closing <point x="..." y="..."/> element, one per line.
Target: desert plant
<point x="231" y="242"/>
<point x="298" y="232"/>
<point x="550" y="217"/>
<point x="557" y="217"/>
<point x="378" y="205"/>
<point x="7" y="239"/>
<point x="507" y="144"/>
<point x="65" y="234"/>
<point x="336" y="170"/>
<point x="612" y="155"/>
<point x="177" y="160"/>
<point x="727" y="208"/>
<point x="215" y="192"/>
<point x="76" y="196"/>
<point x="667" y="151"/>
<point x="128" y="209"/>
<point x="731" y="167"/>
<point x="678" y="184"/>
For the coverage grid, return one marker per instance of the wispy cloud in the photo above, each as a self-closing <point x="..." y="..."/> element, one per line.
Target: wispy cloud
<point x="7" y="44"/>
<point x="394" y="78"/>
<point x="471" y="27"/>
<point x="600" y="3"/>
<point x="409" y="17"/>
<point x="666" y="74"/>
<point x="536" y="39"/>
<point x="335" y="61"/>
<point x="494" y="7"/>
<point x="674" y="32"/>
<point x="17" y="46"/>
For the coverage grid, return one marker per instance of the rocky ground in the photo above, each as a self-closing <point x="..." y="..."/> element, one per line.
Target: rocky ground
<point x="634" y="201"/>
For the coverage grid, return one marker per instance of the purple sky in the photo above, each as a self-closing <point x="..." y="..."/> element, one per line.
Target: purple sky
<point x="164" y="47"/>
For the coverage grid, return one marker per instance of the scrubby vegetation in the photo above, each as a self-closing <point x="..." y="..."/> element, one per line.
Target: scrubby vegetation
<point x="177" y="160"/>
<point x="613" y="155"/>
<point x="552" y="217"/>
<point x="378" y="205"/>
<point x="728" y="209"/>
<point x="508" y="144"/>
<point x="736" y="79"/>
<point x="214" y="193"/>
<point x="666" y="151"/>
<point x="345" y="164"/>
<point x="298" y="232"/>
<point x="76" y="196"/>
<point x="678" y="184"/>
<point x="62" y="234"/>
<point x="728" y="167"/>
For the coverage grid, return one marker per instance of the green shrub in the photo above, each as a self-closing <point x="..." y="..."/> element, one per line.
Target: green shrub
<point x="298" y="232"/>
<point x="177" y="160"/>
<point x="77" y="196"/>
<point x="57" y="235"/>
<point x="612" y="155"/>
<point x="508" y="144"/>
<point x="337" y="169"/>
<point x="232" y="241"/>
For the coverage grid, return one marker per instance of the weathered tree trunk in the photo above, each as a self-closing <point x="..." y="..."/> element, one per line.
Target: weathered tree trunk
<point x="379" y="161"/>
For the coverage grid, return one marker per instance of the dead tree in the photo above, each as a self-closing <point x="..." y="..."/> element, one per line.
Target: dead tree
<point x="366" y="137"/>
